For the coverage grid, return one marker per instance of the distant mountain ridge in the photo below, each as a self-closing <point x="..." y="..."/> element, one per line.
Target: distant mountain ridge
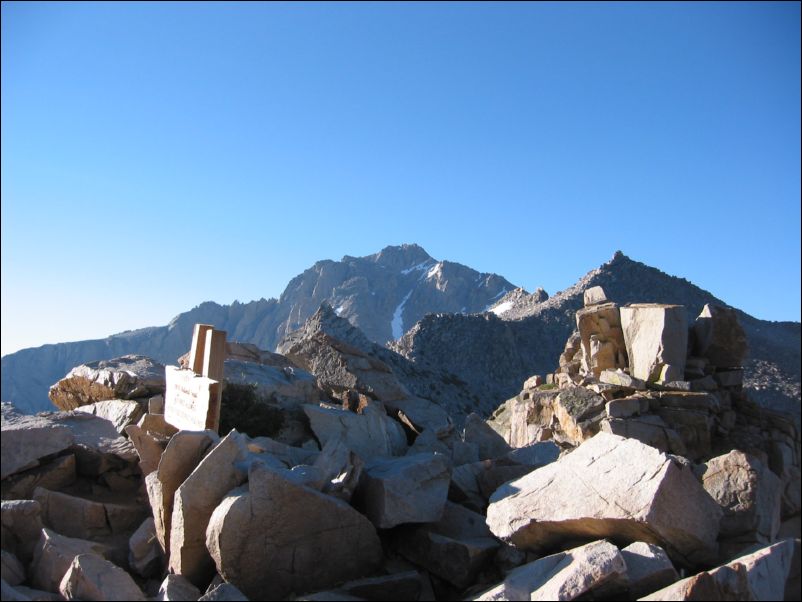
<point x="498" y="351"/>
<point x="382" y="294"/>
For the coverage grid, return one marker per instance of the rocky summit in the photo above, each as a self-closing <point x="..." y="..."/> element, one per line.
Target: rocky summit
<point x="638" y="467"/>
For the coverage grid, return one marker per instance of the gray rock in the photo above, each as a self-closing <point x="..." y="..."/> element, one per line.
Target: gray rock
<point x="26" y="439"/>
<point x="369" y="434"/>
<point x="300" y="531"/>
<point x="620" y="488"/>
<point x="11" y="568"/>
<point x="410" y="489"/>
<point x="563" y="576"/>
<point x="719" y="336"/>
<point x="624" y="407"/>
<point x="91" y="577"/>
<point x="455" y="548"/>
<point x="148" y="448"/>
<point x="621" y="378"/>
<point x="656" y="335"/>
<point x="757" y="576"/>
<point x="490" y="444"/>
<point x="341" y="469"/>
<point x="649" y="429"/>
<point x="648" y="568"/>
<point x="126" y="377"/>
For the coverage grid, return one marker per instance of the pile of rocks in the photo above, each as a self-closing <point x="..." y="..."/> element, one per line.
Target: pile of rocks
<point x="378" y="495"/>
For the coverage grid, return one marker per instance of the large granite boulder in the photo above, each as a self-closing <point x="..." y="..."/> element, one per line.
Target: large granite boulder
<point x="656" y="338"/>
<point x="719" y="336"/>
<point x="410" y="489"/>
<point x="21" y="522"/>
<point x="749" y="493"/>
<point x="126" y="377"/>
<point x="119" y="412"/>
<point x="306" y="540"/>
<point x="609" y="487"/>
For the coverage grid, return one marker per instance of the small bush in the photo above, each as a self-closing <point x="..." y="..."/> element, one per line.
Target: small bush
<point x="243" y="409"/>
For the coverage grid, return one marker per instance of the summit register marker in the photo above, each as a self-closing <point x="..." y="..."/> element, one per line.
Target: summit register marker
<point x="192" y="397"/>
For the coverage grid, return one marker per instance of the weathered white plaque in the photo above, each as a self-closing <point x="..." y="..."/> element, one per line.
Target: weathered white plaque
<point x="191" y="402"/>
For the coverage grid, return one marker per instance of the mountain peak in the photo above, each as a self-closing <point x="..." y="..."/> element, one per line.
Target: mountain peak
<point x="401" y="256"/>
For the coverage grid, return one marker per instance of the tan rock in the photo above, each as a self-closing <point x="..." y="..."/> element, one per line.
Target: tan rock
<point x="649" y="429"/>
<point x="126" y="377"/>
<point x="90" y="577"/>
<point x="648" y="568"/>
<point x="85" y="519"/>
<point x="594" y="296"/>
<point x="195" y="501"/>
<point x="27" y="438"/>
<point x="119" y="412"/>
<point x="619" y="488"/>
<point x="601" y="337"/>
<point x="300" y="532"/>
<point x="760" y="575"/>
<point x="748" y="492"/>
<point x="53" y="556"/>
<point x="144" y="551"/>
<point x="21" y="526"/>
<point x="410" y="489"/>
<point x="148" y="448"/>
<point x="370" y="434"/>
<point x="176" y="587"/>
<point x="655" y="335"/>
<point x="577" y="411"/>
<point x="54" y="475"/>
<point x="563" y="576"/>
<point x="181" y="456"/>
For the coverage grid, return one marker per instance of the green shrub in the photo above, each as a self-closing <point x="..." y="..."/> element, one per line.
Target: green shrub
<point x="243" y="409"/>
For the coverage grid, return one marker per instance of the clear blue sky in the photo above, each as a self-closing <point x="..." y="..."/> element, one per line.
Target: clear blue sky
<point x="158" y="155"/>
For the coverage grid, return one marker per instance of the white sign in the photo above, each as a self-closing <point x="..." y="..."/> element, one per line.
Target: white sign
<point x="191" y="402"/>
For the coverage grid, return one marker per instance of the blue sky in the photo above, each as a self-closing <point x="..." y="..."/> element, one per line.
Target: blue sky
<point x="158" y="155"/>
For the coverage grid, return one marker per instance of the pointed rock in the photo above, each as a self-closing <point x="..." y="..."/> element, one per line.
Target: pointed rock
<point x="54" y="554"/>
<point x="648" y="568"/>
<point x="90" y="577"/>
<point x="144" y="552"/>
<point x="370" y="434"/>
<point x="177" y="588"/>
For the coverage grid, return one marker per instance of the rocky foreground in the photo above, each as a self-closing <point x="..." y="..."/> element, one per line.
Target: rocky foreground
<point x="639" y="470"/>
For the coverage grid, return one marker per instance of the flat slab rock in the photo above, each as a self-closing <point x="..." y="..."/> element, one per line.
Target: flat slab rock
<point x="27" y="438"/>
<point x="760" y="575"/>
<point x="306" y="540"/>
<point x="563" y="576"/>
<point x="609" y="487"/>
<point x="91" y="577"/>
